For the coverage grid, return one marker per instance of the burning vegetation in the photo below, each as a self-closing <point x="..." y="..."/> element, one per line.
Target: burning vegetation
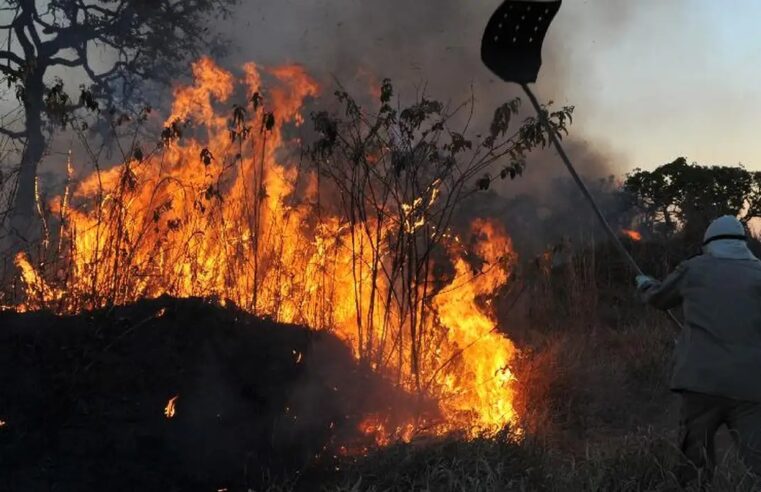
<point x="170" y="409"/>
<point x="633" y="235"/>
<point x="296" y="275"/>
<point x="348" y="233"/>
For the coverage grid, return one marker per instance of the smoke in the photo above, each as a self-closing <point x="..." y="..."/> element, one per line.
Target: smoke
<point x="434" y="46"/>
<point x="431" y="46"/>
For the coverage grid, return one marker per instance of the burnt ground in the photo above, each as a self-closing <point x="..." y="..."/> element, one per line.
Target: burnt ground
<point x="83" y="398"/>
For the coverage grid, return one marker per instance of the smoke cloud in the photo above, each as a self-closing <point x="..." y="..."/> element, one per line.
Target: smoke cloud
<point x="431" y="46"/>
<point x="434" y="46"/>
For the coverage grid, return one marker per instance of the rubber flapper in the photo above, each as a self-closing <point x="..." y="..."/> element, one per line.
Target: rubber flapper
<point x="512" y="42"/>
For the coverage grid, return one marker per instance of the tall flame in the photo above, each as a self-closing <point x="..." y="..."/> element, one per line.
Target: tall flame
<point x="222" y="209"/>
<point x="480" y="386"/>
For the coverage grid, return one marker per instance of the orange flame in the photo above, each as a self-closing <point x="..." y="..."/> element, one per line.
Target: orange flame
<point x="375" y="425"/>
<point x="482" y="354"/>
<point x="216" y="215"/>
<point x="633" y="235"/>
<point x="38" y="291"/>
<point x="170" y="408"/>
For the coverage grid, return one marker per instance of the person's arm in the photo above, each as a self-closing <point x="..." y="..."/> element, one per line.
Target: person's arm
<point x="666" y="294"/>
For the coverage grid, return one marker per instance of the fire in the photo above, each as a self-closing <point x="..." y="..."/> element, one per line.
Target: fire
<point x="222" y="209"/>
<point x="633" y="235"/>
<point x="480" y="386"/>
<point x="38" y="291"/>
<point x="375" y="425"/>
<point x="170" y="409"/>
<point x="2" y="423"/>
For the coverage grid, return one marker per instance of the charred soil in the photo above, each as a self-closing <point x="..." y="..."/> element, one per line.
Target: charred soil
<point x="84" y="398"/>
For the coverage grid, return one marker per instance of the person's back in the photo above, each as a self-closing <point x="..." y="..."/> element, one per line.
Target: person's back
<point x="717" y="366"/>
<point x="720" y="350"/>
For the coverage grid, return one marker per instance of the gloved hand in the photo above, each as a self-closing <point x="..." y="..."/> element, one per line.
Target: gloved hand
<point x="644" y="281"/>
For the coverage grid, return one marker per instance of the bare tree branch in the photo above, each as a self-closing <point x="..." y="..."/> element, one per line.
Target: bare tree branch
<point x="12" y="134"/>
<point x="64" y="62"/>
<point x="26" y="45"/>
<point x="11" y="56"/>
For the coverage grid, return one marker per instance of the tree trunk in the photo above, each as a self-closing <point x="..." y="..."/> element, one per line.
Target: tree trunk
<point x="23" y="220"/>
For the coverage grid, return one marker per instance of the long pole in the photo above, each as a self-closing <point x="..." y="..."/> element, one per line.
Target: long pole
<point x="585" y="191"/>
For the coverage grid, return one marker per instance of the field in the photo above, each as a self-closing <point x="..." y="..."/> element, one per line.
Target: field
<point x="596" y="407"/>
<point x="298" y="246"/>
<point x="233" y="309"/>
<point x="592" y="384"/>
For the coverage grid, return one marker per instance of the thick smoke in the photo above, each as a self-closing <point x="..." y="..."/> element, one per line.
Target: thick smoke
<point x="431" y="46"/>
<point x="435" y="46"/>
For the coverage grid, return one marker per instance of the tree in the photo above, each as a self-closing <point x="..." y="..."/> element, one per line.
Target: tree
<point x="142" y="39"/>
<point x="682" y="197"/>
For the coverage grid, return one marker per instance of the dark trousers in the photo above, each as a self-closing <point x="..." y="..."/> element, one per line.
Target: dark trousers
<point x="701" y="417"/>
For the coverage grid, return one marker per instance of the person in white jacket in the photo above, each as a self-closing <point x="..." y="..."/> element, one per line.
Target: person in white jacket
<point x="717" y="366"/>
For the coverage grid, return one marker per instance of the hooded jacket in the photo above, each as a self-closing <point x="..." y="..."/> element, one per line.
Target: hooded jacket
<point x="719" y="350"/>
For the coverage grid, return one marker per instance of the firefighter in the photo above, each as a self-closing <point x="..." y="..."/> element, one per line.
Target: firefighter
<point x="717" y="366"/>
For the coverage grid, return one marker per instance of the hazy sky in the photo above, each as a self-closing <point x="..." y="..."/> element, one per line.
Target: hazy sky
<point x="679" y="78"/>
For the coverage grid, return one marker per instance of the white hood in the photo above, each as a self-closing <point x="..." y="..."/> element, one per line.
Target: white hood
<point x="733" y="249"/>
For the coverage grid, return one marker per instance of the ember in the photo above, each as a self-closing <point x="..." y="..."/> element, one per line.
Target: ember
<point x="170" y="409"/>
<point x="633" y="235"/>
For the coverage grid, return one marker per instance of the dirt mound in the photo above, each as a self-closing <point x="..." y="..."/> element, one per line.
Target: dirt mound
<point x="83" y="398"/>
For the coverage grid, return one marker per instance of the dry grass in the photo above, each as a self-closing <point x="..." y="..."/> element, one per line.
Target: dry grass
<point x="639" y="461"/>
<point x="597" y="413"/>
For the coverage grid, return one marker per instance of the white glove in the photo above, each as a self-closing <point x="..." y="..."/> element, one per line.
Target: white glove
<point x="644" y="281"/>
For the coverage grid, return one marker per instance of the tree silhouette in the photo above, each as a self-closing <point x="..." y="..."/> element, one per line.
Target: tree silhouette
<point x="135" y="40"/>
<point x="682" y="197"/>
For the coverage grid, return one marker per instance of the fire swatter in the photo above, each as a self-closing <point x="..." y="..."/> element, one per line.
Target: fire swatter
<point x="512" y="49"/>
